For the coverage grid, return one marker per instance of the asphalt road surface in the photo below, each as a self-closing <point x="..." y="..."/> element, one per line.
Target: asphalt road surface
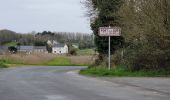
<point x="62" y="83"/>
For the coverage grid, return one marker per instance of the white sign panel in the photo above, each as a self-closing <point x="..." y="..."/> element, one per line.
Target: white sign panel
<point x="109" y="31"/>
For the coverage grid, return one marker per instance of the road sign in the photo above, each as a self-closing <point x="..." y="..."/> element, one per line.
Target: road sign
<point x="109" y="31"/>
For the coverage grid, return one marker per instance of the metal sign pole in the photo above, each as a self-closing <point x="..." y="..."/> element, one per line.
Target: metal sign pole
<point x="109" y="55"/>
<point x="109" y="31"/>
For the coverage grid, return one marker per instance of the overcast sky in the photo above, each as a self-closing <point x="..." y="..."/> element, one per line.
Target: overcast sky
<point x="39" y="15"/>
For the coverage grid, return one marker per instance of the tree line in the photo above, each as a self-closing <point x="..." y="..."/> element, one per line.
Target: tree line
<point x="145" y="40"/>
<point x="41" y="38"/>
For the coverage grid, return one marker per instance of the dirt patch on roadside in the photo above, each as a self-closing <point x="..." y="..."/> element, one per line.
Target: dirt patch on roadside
<point x="28" y="58"/>
<point x="40" y="59"/>
<point x="87" y="60"/>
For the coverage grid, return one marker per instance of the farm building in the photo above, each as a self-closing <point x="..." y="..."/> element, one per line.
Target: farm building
<point x="60" y="49"/>
<point x="3" y="49"/>
<point x="32" y="49"/>
<point x="27" y="49"/>
<point x="40" y="49"/>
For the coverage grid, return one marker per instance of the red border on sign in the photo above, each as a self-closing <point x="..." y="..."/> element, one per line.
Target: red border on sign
<point x="109" y="34"/>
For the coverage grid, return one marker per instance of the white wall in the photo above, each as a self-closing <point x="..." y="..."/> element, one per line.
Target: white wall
<point x="60" y="50"/>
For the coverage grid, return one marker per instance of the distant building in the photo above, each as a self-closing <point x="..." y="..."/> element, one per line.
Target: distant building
<point x="60" y="49"/>
<point x="26" y="49"/>
<point x="52" y="42"/>
<point x="40" y="49"/>
<point x="75" y="46"/>
<point x="3" y="49"/>
<point x="32" y="49"/>
<point x="49" y="43"/>
<point x="55" y="42"/>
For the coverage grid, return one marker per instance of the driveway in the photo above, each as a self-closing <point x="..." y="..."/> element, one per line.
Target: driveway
<point x="62" y="83"/>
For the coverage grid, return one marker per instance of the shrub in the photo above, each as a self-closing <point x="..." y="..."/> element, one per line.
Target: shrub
<point x="73" y="52"/>
<point x="145" y="57"/>
<point x="2" y="64"/>
<point x="12" y="49"/>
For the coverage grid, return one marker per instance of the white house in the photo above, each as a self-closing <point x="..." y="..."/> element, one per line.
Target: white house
<point x="52" y="42"/>
<point x="76" y="46"/>
<point x="60" y="49"/>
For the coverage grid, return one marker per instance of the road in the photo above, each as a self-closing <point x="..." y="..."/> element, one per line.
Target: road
<point x="62" y="83"/>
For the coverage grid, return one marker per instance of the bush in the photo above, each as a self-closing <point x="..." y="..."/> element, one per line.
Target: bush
<point x="12" y="49"/>
<point x="2" y="64"/>
<point x="117" y="58"/>
<point x="73" y="52"/>
<point x="40" y="43"/>
<point x="145" y="57"/>
<point x="147" y="33"/>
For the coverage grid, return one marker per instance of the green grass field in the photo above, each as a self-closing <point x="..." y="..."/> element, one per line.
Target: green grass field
<point x="11" y="44"/>
<point x="86" y="52"/>
<point x="2" y="64"/>
<point x="60" y="61"/>
<point x="101" y="72"/>
<point x="5" y="63"/>
<point x="44" y="60"/>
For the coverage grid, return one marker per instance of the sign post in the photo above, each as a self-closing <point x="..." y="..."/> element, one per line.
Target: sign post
<point x="109" y="55"/>
<point x="109" y="31"/>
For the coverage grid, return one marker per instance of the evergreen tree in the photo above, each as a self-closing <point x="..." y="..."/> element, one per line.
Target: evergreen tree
<point x="105" y="15"/>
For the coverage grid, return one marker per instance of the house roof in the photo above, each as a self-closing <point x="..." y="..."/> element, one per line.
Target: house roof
<point x="2" y="48"/>
<point x="59" y="45"/>
<point x="55" y="42"/>
<point x="52" y="42"/>
<point x="27" y="48"/>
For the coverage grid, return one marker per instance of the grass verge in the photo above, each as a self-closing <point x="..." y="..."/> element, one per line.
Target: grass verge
<point x="3" y="65"/>
<point x="30" y="60"/>
<point x="61" y="61"/>
<point x="102" y="72"/>
<point x="85" y="52"/>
